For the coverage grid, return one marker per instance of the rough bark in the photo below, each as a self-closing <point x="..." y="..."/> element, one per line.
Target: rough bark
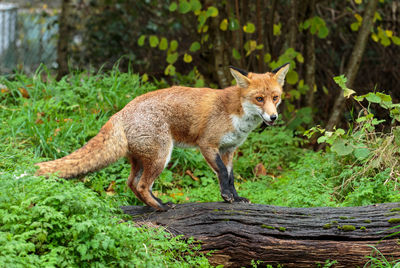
<point x="63" y="39"/>
<point x="355" y="60"/>
<point x="310" y="60"/>
<point x="293" y="237"/>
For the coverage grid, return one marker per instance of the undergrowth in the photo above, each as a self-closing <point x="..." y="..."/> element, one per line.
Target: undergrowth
<point x="73" y="223"/>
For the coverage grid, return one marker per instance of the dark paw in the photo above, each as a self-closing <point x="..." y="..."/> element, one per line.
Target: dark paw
<point x="169" y="205"/>
<point x="242" y="200"/>
<point x="228" y="197"/>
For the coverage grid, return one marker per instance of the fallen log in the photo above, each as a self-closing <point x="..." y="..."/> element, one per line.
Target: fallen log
<point x="293" y="237"/>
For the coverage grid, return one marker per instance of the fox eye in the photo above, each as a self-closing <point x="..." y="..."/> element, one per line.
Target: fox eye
<point x="275" y="98"/>
<point x="260" y="99"/>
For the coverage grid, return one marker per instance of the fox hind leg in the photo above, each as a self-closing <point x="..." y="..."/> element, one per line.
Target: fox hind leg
<point x="152" y="168"/>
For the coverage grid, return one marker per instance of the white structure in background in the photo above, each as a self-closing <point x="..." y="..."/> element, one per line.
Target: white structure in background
<point x="8" y="26"/>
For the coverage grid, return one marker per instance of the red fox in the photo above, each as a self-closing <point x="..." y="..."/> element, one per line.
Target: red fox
<point x="146" y="130"/>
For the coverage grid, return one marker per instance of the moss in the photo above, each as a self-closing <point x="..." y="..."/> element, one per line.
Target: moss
<point x="327" y="226"/>
<point x="343" y="217"/>
<point x="395" y="209"/>
<point x="367" y="221"/>
<point x="282" y="229"/>
<point x="394" y="220"/>
<point x="267" y="227"/>
<point x="347" y="228"/>
<point x="334" y="222"/>
<point x="363" y="228"/>
<point x="390" y="214"/>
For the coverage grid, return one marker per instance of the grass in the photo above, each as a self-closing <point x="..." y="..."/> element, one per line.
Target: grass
<point x="76" y="221"/>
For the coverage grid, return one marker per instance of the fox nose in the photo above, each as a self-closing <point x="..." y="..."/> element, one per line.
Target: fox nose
<point x="273" y="117"/>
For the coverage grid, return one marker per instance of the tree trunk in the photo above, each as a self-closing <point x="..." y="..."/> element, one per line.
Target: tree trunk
<point x="310" y="60"/>
<point x="294" y="237"/>
<point x="63" y="40"/>
<point x="355" y="60"/>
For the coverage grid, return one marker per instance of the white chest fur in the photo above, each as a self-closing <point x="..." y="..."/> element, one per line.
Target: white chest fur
<point x="242" y="125"/>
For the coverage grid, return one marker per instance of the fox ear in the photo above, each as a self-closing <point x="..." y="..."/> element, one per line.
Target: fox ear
<point x="280" y="73"/>
<point x="240" y="76"/>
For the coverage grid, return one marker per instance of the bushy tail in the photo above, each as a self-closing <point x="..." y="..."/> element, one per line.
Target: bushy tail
<point x="106" y="147"/>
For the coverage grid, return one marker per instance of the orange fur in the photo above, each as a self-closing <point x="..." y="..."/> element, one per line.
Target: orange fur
<point x="147" y="129"/>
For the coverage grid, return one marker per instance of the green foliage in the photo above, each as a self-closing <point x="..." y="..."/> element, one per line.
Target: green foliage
<point x="48" y="223"/>
<point x="74" y="222"/>
<point x="378" y="260"/>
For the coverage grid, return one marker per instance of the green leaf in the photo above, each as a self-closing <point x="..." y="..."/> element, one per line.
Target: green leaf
<point x="249" y="28"/>
<point x="153" y="40"/>
<point x="341" y="81"/>
<point x="354" y="26"/>
<point x="277" y="29"/>
<point x="236" y="55"/>
<point x="396" y="40"/>
<point x="292" y="77"/>
<point x="141" y="40"/>
<point x="173" y="45"/>
<point x="323" y="32"/>
<point x="233" y="24"/>
<point x="212" y="11"/>
<point x="372" y="97"/>
<point x="187" y="58"/>
<point x="196" y="5"/>
<point x="195" y="46"/>
<point x="169" y="70"/>
<point x="340" y="147"/>
<point x="307" y="24"/>
<point x="173" y="6"/>
<point x="163" y="44"/>
<point x="172" y="57"/>
<point x="361" y="153"/>
<point x="224" y="25"/>
<point x="184" y="7"/>
<point x="300" y="58"/>
<point x="267" y="57"/>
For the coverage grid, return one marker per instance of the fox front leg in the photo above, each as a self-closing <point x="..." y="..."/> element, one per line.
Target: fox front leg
<point x="213" y="158"/>
<point x="227" y="159"/>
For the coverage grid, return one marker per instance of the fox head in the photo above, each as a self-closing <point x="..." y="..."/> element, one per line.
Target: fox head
<point x="261" y="93"/>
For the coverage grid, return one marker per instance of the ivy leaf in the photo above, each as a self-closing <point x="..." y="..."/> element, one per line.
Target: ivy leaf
<point x="224" y="25"/>
<point x="173" y="6"/>
<point x="173" y="45"/>
<point x="153" y="40"/>
<point x="354" y="26"/>
<point x="267" y="57"/>
<point x="163" y="44"/>
<point x="277" y="29"/>
<point x="396" y="40"/>
<point x="196" y="5"/>
<point x="187" y="58"/>
<point x="249" y="28"/>
<point x="292" y="77"/>
<point x="233" y="24"/>
<point x="170" y="70"/>
<point x="195" y="46"/>
<point x="141" y="40"/>
<point x="212" y="11"/>
<point x="236" y="55"/>
<point x="172" y="57"/>
<point x="184" y="6"/>
<point x="323" y="32"/>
